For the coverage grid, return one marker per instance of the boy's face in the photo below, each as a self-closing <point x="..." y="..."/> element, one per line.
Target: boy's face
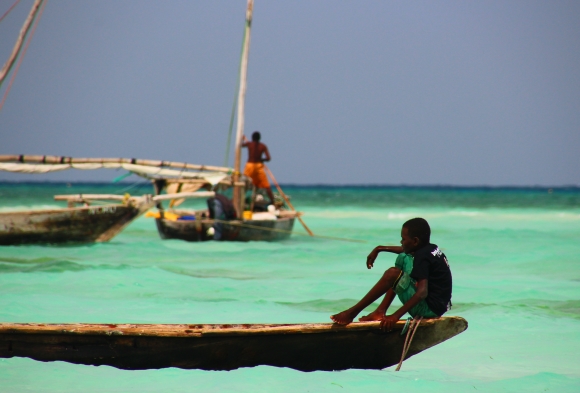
<point x="410" y="244"/>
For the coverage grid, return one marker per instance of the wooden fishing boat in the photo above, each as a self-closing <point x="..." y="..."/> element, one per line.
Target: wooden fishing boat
<point x="248" y="226"/>
<point x="77" y="224"/>
<point x="304" y="347"/>
<point x="88" y="222"/>
<point x="196" y="225"/>
<point x="279" y="228"/>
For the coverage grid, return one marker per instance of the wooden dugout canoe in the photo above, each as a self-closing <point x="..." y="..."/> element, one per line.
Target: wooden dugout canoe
<point x="76" y="225"/>
<point x="304" y="347"/>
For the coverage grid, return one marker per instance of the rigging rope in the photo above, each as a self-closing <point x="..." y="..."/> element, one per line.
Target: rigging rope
<point x="139" y="184"/>
<point x="286" y="199"/>
<point x="23" y="53"/>
<point x="9" y="9"/>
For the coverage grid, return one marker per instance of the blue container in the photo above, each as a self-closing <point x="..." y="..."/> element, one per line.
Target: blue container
<point x="186" y="218"/>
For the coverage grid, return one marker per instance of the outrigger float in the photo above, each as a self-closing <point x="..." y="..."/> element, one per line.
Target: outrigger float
<point x="304" y="347"/>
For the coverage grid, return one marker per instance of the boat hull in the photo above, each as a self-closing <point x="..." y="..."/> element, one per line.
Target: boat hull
<point x="195" y="231"/>
<point x="307" y="347"/>
<point x="77" y="225"/>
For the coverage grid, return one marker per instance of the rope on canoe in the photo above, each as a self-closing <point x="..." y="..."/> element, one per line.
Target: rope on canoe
<point x="408" y="340"/>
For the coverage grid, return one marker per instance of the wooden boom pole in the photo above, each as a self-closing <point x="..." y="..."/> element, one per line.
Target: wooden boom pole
<point x="239" y="191"/>
<point x="20" y="40"/>
<point x="34" y="159"/>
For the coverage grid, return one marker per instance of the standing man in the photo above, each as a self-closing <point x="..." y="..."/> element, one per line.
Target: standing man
<point x="255" y="165"/>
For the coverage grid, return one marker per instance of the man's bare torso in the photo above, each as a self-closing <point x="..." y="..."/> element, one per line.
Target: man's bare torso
<point x="255" y="152"/>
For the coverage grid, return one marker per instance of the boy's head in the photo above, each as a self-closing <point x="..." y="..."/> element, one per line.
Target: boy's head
<point x="415" y="234"/>
<point x="256" y="136"/>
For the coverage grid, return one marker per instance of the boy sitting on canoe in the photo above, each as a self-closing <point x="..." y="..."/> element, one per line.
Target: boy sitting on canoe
<point x="421" y="278"/>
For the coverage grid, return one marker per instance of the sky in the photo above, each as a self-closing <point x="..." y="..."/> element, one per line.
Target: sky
<point x="344" y="92"/>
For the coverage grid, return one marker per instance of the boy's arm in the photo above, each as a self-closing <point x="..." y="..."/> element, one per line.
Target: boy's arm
<point x="389" y="321"/>
<point x="375" y="253"/>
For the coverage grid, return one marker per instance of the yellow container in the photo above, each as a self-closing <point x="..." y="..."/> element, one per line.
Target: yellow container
<point x="247" y="215"/>
<point x="167" y="215"/>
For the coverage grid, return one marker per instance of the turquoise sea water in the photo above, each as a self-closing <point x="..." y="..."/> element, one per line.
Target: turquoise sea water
<point x="514" y="254"/>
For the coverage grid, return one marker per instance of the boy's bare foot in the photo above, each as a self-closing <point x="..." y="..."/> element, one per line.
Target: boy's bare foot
<point x="374" y="316"/>
<point x="343" y="318"/>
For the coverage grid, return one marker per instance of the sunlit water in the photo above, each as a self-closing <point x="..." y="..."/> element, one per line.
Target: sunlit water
<point x="514" y="254"/>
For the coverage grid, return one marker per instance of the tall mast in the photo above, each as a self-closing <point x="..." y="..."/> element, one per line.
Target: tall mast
<point x="18" y="46"/>
<point x="238" y="191"/>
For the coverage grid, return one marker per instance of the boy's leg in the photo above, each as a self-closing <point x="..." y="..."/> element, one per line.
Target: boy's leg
<point x="379" y="289"/>
<point x="381" y="310"/>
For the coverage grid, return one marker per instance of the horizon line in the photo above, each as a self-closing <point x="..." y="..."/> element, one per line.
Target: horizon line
<point x="320" y="185"/>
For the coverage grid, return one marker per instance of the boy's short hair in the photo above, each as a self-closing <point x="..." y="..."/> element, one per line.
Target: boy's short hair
<point x="419" y="227"/>
<point x="256" y="136"/>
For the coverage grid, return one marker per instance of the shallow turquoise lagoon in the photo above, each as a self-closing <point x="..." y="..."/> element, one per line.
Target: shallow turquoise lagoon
<point x="514" y="254"/>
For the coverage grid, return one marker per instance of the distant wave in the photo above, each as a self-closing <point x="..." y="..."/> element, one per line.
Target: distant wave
<point x="491" y="214"/>
<point x="49" y="265"/>
<point x="553" y="308"/>
<point x="215" y="273"/>
<point x="323" y="305"/>
<point x="565" y="308"/>
<point x="561" y="308"/>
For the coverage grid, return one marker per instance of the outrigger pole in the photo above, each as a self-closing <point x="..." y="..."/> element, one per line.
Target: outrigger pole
<point x="239" y="191"/>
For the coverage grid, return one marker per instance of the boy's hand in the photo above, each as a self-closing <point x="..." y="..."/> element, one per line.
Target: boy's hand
<point x="388" y="322"/>
<point x="371" y="257"/>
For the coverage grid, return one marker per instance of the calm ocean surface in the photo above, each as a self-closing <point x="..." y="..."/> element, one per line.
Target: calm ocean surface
<point x="514" y="254"/>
